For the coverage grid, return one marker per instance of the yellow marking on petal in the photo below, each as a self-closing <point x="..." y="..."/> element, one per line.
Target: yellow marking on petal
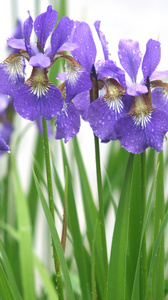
<point x="72" y="71"/>
<point x="39" y="82"/>
<point x="141" y="111"/>
<point x="114" y="93"/>
<point x="14" y="66"/>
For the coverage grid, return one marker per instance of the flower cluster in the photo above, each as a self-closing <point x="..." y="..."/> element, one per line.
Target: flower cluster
<point x="116" y="106"/>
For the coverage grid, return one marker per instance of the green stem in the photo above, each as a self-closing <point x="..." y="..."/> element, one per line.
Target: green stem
<point x="93" y="97"/>
<point x="159" y="213"/>
<point x="101" y="208"/>
<point x="143" y="264"/>
<point x="51" y="205"/>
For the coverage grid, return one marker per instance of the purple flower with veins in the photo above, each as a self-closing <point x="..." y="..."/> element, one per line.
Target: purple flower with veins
<point x="37" y="96"/>
<point x="85" y="55"/>
<point x="144" y="125"/>
<point x="77" y="80"/>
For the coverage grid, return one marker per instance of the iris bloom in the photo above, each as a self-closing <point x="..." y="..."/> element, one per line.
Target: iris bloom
<point x="37" y="96"/>
<point x="85" y="55"/>
<point x="144" y="125"/>
<point x="77" y="80"/>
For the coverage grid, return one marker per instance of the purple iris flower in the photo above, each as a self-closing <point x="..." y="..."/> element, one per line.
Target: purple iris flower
<point x="144" y="125"/>
<point x="77" y="80"/>
<point x="37" y="96"/>
<point x="85" y="55"/>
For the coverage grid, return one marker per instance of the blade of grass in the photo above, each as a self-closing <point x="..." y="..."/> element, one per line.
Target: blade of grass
<point x="56" y="241"/>
<point x="91" y="215"/>
<point x="117" y="266"/>
<point x="25" y="239"/>
<point x="134" y="233"/>
<point x="145" y="222"/>
<point x="9" y="272"/>
<point x="159" y="212"/>
<point x="155" y="250"/>
<point x="47" y="282"/>
<point x="32" y="195"/>
<point x="75" y="232"/>
<point x="5" y="290"/>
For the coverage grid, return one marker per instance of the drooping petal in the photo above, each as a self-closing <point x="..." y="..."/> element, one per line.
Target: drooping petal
<point x="82" y="103"/>
<point x="102" y="39"/>
<point x="68" y="122"/>
<point x="61" y="34"/>
<point x="156" y="129"/>
<point x="102" y="119"/>
<point x="130" y="57"/>
<point x="151" y="58"/>
<point x="12" y="74"/>
<point x="31" y="105"/>
<point x="160" y="98"/>
<point x="40" y="60"/>
<point x="131" y="137"/>
<point x="85" y="54"/>
<point x="77" y="80"/>
<point x="135" y="138"/>
<point x="44" y="25"/>
<point x="103" y="114"/>
<point x="27" y="30"/>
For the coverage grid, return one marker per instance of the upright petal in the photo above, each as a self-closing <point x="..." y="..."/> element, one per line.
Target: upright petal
<point x="61" y="34"/>
<point x="151" y="58"/>
<point x="85" y="54"/>
<point x="102" y="39"/>
<point x="44" y="25"/>
<point x="130" y="57"/>
<point x="27" y="30"/>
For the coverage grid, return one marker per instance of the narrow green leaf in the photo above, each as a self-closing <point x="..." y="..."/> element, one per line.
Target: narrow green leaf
<point x="159" y="212"/>
<point x="91" y="215"/>
<point x="76" y="235"/>
<point x="145" y="222"/>
<point x="135" y="224"/>
<point x="25" y="240"/>
<point x="56" y="241"/>
<point x="117" y="266"/>
<point x="156" y="249"/>
<point x="5" y="290"/>
<point x="47" y="282"/>
<point x="32" y="195"/>
<point x="9" y="272"/>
